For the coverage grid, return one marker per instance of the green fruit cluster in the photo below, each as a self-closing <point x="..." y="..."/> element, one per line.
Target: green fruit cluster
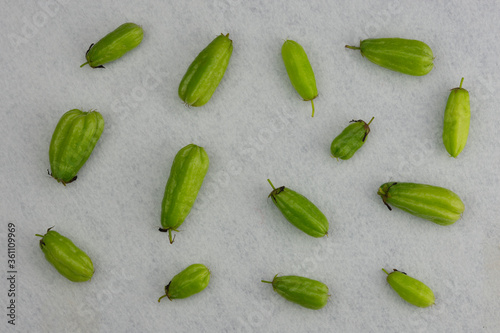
<point x="77" y="133"/>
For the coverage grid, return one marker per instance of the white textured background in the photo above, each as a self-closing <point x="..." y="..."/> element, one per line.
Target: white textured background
<point x="255" y="127"/>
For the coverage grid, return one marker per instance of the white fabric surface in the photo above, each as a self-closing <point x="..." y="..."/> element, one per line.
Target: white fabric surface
<point x="255" y="127"/>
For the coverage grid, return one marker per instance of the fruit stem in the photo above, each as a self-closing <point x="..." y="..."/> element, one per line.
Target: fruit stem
<point x="170" y="236"/>
<point x="84" y="64"/>
<point x="159" y="299"/>
<point x="271" y="184"/>
<point x="266" y="281"/>
<point x="312" y="103"/>
<point x="385" y="271"/>
<point x="352" y="47"/>
<point x="462" y="81"/>
<point x="371" y="121"/>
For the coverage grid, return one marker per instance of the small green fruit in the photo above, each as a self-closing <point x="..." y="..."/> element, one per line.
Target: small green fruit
<point x="456" y="120"/>
<point x="410" y="289"/>
<point x="407" y="56"/>
<point x="432" y="203"/>
<point x="74" y="139"/>
<point x="69" y="260"/>
<point x="299" y="71"/>
<point x="299" y="211"/>
<point x="206" y="71"/>
<point x="190" y="281"/>
<point x="114" y="45"/>
<point x="305" y="292"/>
<point x="350" y="140"/>
<point x="186" y="177"/>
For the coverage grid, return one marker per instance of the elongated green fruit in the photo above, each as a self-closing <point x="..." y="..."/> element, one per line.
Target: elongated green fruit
<point x="190" y="281"/>
<point x="456" y="120"/>
<point x="299" y="211"/>
<point x="69" y="260"/>
<point x="73" y="141"/>
<point x="114" y="45"/>
<point x="186" y="176"/>
<point x="299" y="71"/>
<point x="206" y="71"/>
<point x="350" y="140"/>
<point x="306" y="292"/>
<point x="432" y="203"/>
<point x="407" y="56"/>
<point x="410" y="289"/>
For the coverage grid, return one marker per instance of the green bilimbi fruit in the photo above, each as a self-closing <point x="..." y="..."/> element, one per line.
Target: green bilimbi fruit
<point x="306" y="292"/>
<point x="299" y="71"/>
<point x="299" y="211"/>
<point x="186" y="176"/>
<point x="206" y="71"/>
<point x="69" y="260"/>
<point x="350" y="140"/>
<point x="407" y="56"/>
<point x="432" y="203"/>
<point x="190" y="281"/>
<point x="73" y="141"/>
<point x="456" y="120"/>
<point x="114" y="45"/>
<point x="410" y="289"/>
